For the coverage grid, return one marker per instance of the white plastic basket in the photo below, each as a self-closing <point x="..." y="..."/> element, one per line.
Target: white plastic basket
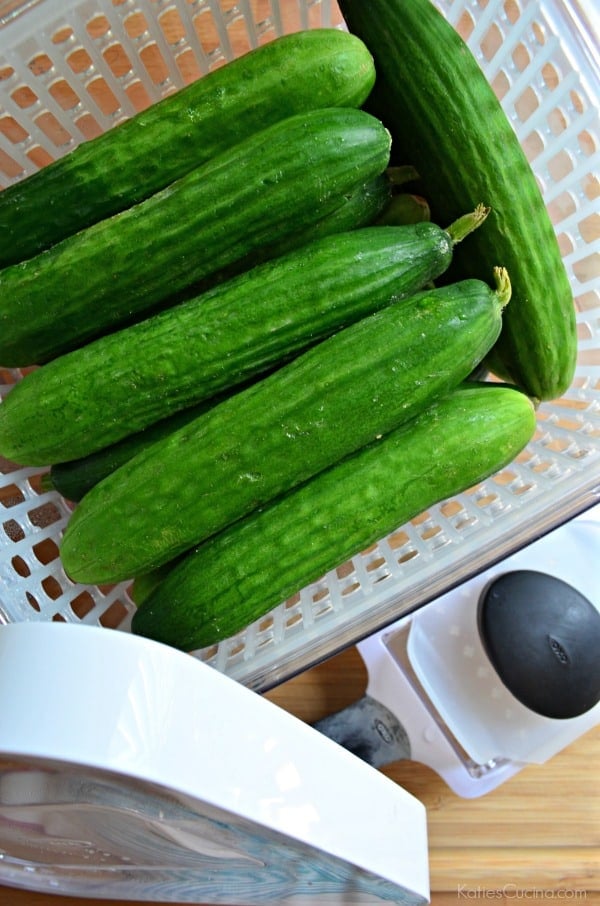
<point x="72" y="68"/>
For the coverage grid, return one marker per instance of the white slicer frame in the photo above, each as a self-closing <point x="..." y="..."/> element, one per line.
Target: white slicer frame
<point x="429" y="669"/>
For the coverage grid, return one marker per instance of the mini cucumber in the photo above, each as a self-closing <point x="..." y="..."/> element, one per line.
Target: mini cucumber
<point x="140" y="156"/>
<point x="371" y="203"/>
<point x="446" y="120"/>
<point x="336" y="397"/>
<point x="73" y="479"/>
<point x="277" y="182"/>
<point x="235" y="577"/>
<point x="121" y="383"/>
<point x="360" y="207"/>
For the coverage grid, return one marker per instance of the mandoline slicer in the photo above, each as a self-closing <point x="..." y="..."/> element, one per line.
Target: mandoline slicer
<point x="131" y="770"/>
<point x="433" y="694"/>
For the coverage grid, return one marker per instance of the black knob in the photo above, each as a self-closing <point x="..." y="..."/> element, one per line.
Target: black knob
<point x="543" y="638"/>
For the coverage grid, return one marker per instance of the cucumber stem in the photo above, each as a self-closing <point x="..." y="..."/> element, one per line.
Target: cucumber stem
<point x="398" y="176"/>
<point x="46" y="483"/>
<point x="503" y="286"/>
<point x="467" y="223"/>
<point x="404" y="209"/>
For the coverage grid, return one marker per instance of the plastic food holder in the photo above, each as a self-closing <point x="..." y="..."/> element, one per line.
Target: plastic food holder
<point x="70" y="69"/>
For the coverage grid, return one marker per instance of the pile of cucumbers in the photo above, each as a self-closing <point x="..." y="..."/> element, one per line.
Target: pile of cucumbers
<point x="256" y="311"/>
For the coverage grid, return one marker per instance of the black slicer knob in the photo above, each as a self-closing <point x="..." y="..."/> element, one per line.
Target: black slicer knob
<point x="542" y="637"/>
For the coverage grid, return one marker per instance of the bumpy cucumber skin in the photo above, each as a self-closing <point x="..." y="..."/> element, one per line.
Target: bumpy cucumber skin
<point x="235" y="577"/>
<point x="75" y="478"/>
<point x="144" y="585"/>
<point x="446" y="119"/>
<point x="279" y="181"/>
<point x="358" y="208"/>
<point x="123" y="382"/>
<point x="360" y="383"/>
<point x="295" y="73"/>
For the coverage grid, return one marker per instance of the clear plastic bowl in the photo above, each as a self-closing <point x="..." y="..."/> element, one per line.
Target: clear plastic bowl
<point x="72" y="68"/>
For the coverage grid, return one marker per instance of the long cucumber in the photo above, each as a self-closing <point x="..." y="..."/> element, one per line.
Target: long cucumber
<point x="120" y="384"/>
<point x="140" y="156"/>
<point x="74" y="478"/>
<point x="274" y="184"/>
<point x="446" y="120"/>
<point x="236" y="576"/>
<point x="361" y="207"/>
<point x="341" y="394"/>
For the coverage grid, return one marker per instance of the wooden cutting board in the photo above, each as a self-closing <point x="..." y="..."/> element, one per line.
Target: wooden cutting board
<point x="537" y="837"/>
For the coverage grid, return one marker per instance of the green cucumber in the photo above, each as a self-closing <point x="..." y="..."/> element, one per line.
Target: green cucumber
<point x="358" y="208"/>
<point x="339" y="395"/>
<point x="445" y="118"/>
<point x="275" y="183"/>
<point x="292" y="74"/>
<point x="73" y="479"/>
<point x="123" y="382"/>
<point x="235" y="577"/>
<point x="142" y="586"/>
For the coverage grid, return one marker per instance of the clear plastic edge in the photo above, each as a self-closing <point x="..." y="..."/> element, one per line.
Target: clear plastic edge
<point x="263" y="674"/>
<point x="582" y="20"/>
<point x="13" y="9"/>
